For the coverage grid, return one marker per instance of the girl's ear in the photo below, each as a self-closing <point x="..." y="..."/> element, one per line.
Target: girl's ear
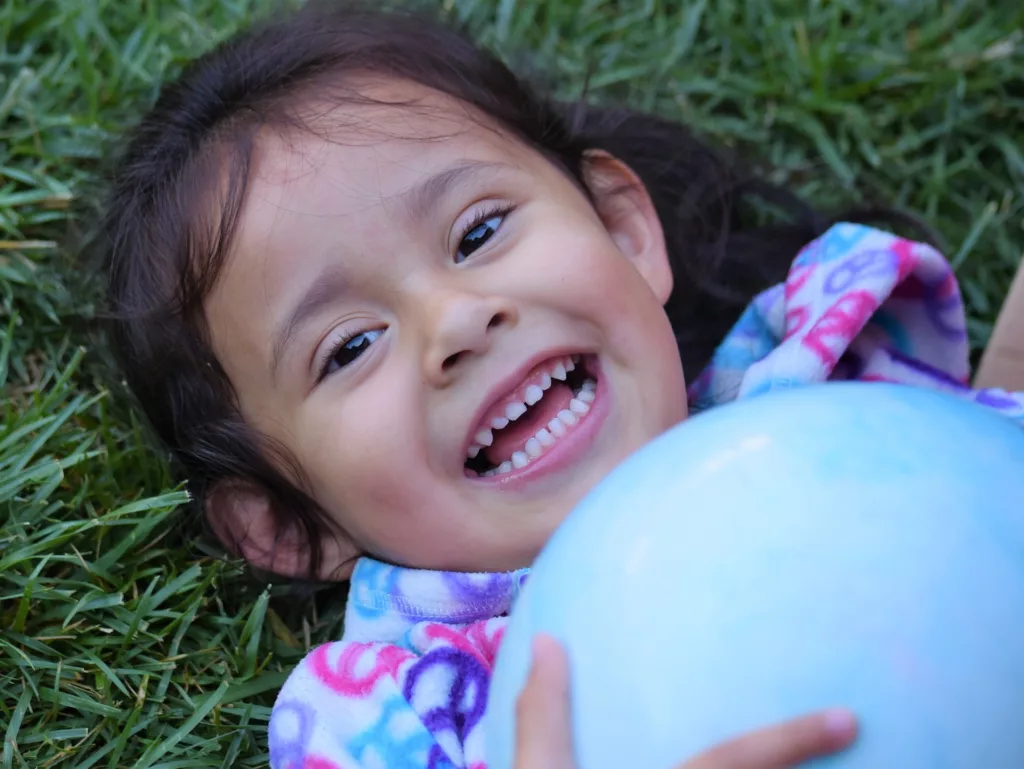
<point x="629" y="215"/>
<point x="242" y="516"/>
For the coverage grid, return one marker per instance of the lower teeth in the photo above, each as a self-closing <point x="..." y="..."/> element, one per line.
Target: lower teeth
<point x="548" y="435"/>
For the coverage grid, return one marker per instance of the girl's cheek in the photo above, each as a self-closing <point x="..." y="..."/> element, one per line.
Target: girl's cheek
<point x="369" y="432"/>
<point x="573" y="264"/>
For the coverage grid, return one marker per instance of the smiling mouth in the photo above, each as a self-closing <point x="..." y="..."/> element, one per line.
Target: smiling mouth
<point x="548" y="405"/>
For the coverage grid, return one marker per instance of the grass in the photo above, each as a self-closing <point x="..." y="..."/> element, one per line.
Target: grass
<point x="123" y="642"/>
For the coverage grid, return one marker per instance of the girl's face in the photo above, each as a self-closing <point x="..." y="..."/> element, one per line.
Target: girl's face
<point x="451" y="340"/>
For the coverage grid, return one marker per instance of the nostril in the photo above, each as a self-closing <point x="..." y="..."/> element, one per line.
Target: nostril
<point x="475" y="340"/>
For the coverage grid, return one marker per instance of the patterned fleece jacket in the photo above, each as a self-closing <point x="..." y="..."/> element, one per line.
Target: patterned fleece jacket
<point x="406" y="686"/>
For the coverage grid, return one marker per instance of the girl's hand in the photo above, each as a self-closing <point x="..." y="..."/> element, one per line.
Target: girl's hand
<point x="544" y="730"/>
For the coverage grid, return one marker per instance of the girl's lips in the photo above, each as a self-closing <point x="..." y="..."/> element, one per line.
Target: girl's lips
<point x="566" y="450"/>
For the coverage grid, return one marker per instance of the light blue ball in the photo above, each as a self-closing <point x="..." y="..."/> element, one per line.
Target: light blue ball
<point x="858" y="545"/>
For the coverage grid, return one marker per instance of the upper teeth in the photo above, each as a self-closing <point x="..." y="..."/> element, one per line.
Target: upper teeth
<point x="515" y="410"/>
<point x="546" y="436"/>
<point x="533" y="394"/>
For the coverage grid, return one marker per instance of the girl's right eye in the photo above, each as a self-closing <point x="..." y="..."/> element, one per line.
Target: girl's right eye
<point x="347" y="349"/>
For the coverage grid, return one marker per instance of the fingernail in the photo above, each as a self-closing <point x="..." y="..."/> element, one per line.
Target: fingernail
<point x="543" y="648"/>
<point x="549" y="661"/>
<point x="841" y="723"/>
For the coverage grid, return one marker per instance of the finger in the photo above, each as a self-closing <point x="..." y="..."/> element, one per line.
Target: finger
<point x="783" y="746"/>
<point x="543" y="726"/>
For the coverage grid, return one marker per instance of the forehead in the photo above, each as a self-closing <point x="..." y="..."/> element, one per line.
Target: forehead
<point x="369" y="147"/>
<point x="353" y="156"/>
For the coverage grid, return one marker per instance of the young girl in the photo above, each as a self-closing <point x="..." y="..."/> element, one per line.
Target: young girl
<point x="395" y="314"/>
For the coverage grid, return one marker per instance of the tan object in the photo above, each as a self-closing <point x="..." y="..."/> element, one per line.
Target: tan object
<point x="1002" y="364"/>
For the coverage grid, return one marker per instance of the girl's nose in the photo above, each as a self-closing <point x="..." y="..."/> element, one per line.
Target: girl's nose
<point x="463" y="326"/>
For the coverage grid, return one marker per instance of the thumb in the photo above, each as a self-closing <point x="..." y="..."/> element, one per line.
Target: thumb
<point x="543" y="726"/>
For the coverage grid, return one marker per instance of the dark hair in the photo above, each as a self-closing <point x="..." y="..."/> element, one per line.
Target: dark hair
<point x="181" y="185"/>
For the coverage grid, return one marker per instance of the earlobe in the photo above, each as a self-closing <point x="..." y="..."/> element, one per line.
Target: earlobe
<point x="243" y="518"/>
<point x="628" y="213"/>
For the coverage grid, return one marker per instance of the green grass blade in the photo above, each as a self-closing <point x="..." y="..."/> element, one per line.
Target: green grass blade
<point x="148" y="759"/>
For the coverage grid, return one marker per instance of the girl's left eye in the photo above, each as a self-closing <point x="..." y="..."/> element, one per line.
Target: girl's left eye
<point x="478" y="233"/>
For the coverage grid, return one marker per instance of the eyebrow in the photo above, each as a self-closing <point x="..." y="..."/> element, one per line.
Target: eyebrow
<point x="419" y="201"/>
<point x="324" y="289"/>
